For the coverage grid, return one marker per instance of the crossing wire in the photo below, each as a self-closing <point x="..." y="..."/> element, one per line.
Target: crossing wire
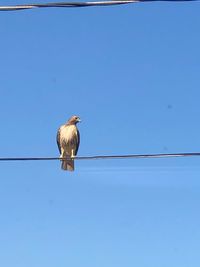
<point x="79" y="4"/>
<point x="103" y="157"/>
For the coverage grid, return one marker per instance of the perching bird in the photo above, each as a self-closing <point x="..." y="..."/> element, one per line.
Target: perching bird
<point x="68" y="139"/>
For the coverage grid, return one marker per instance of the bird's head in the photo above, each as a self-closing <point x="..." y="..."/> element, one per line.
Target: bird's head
<point x="74" y="120"/>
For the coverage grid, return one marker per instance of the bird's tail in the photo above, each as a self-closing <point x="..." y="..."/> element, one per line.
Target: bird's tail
<point x="67" y="165"/>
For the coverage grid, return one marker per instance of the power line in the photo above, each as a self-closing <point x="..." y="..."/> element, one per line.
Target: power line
<point x="80" y="4"/>
<point x="67" y="4"/>
<point x="102" y="157"/>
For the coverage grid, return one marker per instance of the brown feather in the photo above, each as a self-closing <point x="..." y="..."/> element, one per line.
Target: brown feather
<point x="67" y="165"/>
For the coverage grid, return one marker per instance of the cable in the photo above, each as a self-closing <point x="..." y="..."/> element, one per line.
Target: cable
<point x="66" y="4"/>
<point x="81" y="4"/>
<point x="133" y="156"/>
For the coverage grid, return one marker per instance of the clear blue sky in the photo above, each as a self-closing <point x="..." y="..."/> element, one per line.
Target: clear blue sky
<point x="132" y="74"/>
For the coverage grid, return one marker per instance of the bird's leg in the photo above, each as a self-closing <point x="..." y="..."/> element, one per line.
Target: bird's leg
<point x="72" y="154"/>
<point x="62" y="153"/>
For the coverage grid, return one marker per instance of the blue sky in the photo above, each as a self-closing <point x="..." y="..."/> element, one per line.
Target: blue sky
<point x="132" y="74"/>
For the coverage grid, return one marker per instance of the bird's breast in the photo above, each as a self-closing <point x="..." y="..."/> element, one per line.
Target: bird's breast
<point x="68" y="133"/>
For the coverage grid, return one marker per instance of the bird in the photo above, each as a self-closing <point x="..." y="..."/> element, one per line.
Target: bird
<point x="68" y="140"/>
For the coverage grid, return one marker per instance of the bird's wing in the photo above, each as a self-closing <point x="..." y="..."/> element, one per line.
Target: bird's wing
<point x="58" y="140"/>
<point x="77" y="141"/>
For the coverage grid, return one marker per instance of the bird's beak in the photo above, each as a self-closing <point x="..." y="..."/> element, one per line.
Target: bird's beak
<point x="79" y="120"/>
